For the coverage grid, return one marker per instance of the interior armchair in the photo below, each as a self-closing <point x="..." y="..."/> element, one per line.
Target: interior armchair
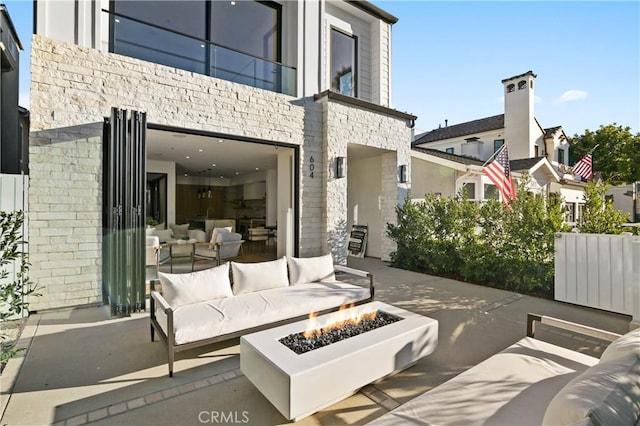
<point x="224" y="245"/>
<point x="258" y="234"/>
<point x="155" y="255"/>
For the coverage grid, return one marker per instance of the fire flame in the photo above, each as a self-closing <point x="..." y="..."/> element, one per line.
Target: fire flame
<point x="342" y="319"/>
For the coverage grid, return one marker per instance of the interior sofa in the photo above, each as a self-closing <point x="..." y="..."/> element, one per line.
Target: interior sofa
<point x="537" y="383"/>
<point x="200" y="308"/>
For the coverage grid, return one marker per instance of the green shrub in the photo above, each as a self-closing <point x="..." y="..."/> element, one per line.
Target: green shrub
<point x="483" y="243"/>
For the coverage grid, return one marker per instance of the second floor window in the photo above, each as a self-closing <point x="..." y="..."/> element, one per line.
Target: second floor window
<point x="497" y="144"/>
<point x="235" y="41"/>
<point x="561" y="156"/>
<point x="449" y="150"/>
<point x="343" y="63"/>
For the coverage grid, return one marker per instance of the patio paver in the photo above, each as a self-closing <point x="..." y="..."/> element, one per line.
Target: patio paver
<point x="83" y="366"/>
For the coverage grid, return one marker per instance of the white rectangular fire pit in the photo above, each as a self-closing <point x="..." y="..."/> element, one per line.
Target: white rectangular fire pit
<point x="300" y="385"/>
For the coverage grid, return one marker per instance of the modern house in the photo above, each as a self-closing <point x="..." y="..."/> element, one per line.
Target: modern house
<point x="450" y="158"/>
<point x="288" y="125"/>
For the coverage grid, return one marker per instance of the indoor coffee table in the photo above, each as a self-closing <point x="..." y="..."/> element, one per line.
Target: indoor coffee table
<point x="299" y="385"/>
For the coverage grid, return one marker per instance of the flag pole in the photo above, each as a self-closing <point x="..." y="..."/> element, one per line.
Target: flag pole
<point x="484" y="164"/>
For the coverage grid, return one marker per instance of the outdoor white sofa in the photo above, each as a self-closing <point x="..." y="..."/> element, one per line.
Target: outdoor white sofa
<point x="203" y="307"/>
<point x="537" y="383"/>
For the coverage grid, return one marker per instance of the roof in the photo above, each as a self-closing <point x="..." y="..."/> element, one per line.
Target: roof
<point x="548" y="133"/>
<point x="520" y="75"/>
<point x="470" y="127"/>
<point x="524" y="163"/>
<point x="12" y="28"/>
<point x="374" y="10"/>
<point x="451" y="157"/>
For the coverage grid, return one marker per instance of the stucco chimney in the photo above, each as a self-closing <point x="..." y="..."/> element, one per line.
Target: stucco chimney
<point x="519" y="118"/>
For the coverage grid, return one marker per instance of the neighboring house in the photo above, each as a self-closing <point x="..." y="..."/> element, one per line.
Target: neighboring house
<point x="626" y="198"/>
<point x="542" y="153"/>
<point x="276" y="111"/>
<point x="13" y="158"/>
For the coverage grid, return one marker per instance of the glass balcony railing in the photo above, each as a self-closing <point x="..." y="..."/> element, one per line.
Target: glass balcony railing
<point x="137" y="39"/>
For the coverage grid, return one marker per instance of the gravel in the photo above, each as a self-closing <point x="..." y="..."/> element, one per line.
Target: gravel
<point x="300" y="344"/>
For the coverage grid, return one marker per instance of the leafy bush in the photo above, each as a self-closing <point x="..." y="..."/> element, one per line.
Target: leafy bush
<point x="482" y="243"/>
<point x="13" y="291"/>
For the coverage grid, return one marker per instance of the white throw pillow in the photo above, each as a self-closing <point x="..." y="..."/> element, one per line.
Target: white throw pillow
<point x="216" y="235"/>
<point x="311" y="269"/>
<point x="179" y="231"/>
<point x="163" y="234"/>
<point x="606" y="394"/>
<point x="250" y="277"/>
<point x="185" y="289"/>
<point x="623" y="346"/>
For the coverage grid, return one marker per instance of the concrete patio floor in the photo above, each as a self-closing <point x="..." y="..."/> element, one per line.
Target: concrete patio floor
<point x="81" y="366"/>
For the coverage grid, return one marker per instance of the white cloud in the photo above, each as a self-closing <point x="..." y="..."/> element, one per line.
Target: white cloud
<point x="571" y="95"/>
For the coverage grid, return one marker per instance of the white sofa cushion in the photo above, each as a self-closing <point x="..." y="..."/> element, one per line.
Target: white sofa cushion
<point x="310" y="269"/>
<point x="179" y="231"/>
<point x="250" y="277"/>
<point x="222" y="316"/>
<point x="607" y="393"/>
<point x="184" y="289"/>
<point x="623" y="346"/>
<point x="164" y="234"/>
<point x="512" y="387"/>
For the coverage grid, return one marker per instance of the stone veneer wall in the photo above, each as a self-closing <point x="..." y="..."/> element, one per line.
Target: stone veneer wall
<point x="348" y="124"/>
<point x="73" y="89"/>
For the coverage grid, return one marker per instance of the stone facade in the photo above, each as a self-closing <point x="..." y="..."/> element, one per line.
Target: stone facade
<point x="74" y="88"/>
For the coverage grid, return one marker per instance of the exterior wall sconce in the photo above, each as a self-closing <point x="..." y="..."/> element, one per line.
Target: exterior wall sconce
<point x="341" y="167"/>
<point x="402" y="173"/>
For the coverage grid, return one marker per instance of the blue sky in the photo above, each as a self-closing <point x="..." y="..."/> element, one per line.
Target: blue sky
<point x="450" y="57"/>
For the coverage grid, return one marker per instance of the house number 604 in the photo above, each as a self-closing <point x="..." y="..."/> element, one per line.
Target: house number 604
<point x="311" y="166"/>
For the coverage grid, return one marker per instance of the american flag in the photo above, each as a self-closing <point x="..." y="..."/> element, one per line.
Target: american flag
<point x="500" y="174"/>
<point x="583" y="167"/>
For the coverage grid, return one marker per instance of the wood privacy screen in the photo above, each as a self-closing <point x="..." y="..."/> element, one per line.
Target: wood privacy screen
<point x="123" y="215"/>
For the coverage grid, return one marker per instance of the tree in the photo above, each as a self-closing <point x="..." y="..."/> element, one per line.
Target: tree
<point x="616" y="155"/>
<point x="599" y="216"/>
<point x="16" y="287"/>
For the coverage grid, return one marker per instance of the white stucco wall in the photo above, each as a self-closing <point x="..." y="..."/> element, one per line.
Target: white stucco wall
<point x="346" y="123"/>
<point x="364" y="199"/>
<point x="430" y="178"/>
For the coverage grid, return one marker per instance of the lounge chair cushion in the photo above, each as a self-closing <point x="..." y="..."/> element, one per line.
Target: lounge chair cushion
<point x="184" y="289"/>
<point x="606" y="394"/>
<point x="511" y="387"/>
<point x="623" y="346"/>
<point x="217" y="235"/>
<point x="310" y="269"/>
<point x="250" y="277"/>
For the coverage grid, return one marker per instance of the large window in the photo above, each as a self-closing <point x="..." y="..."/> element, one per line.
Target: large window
<point x="239" y="41"/>
<point x="490" y="192"/>
<point x="469" y="191"/>
<point x="343" y="63"/>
